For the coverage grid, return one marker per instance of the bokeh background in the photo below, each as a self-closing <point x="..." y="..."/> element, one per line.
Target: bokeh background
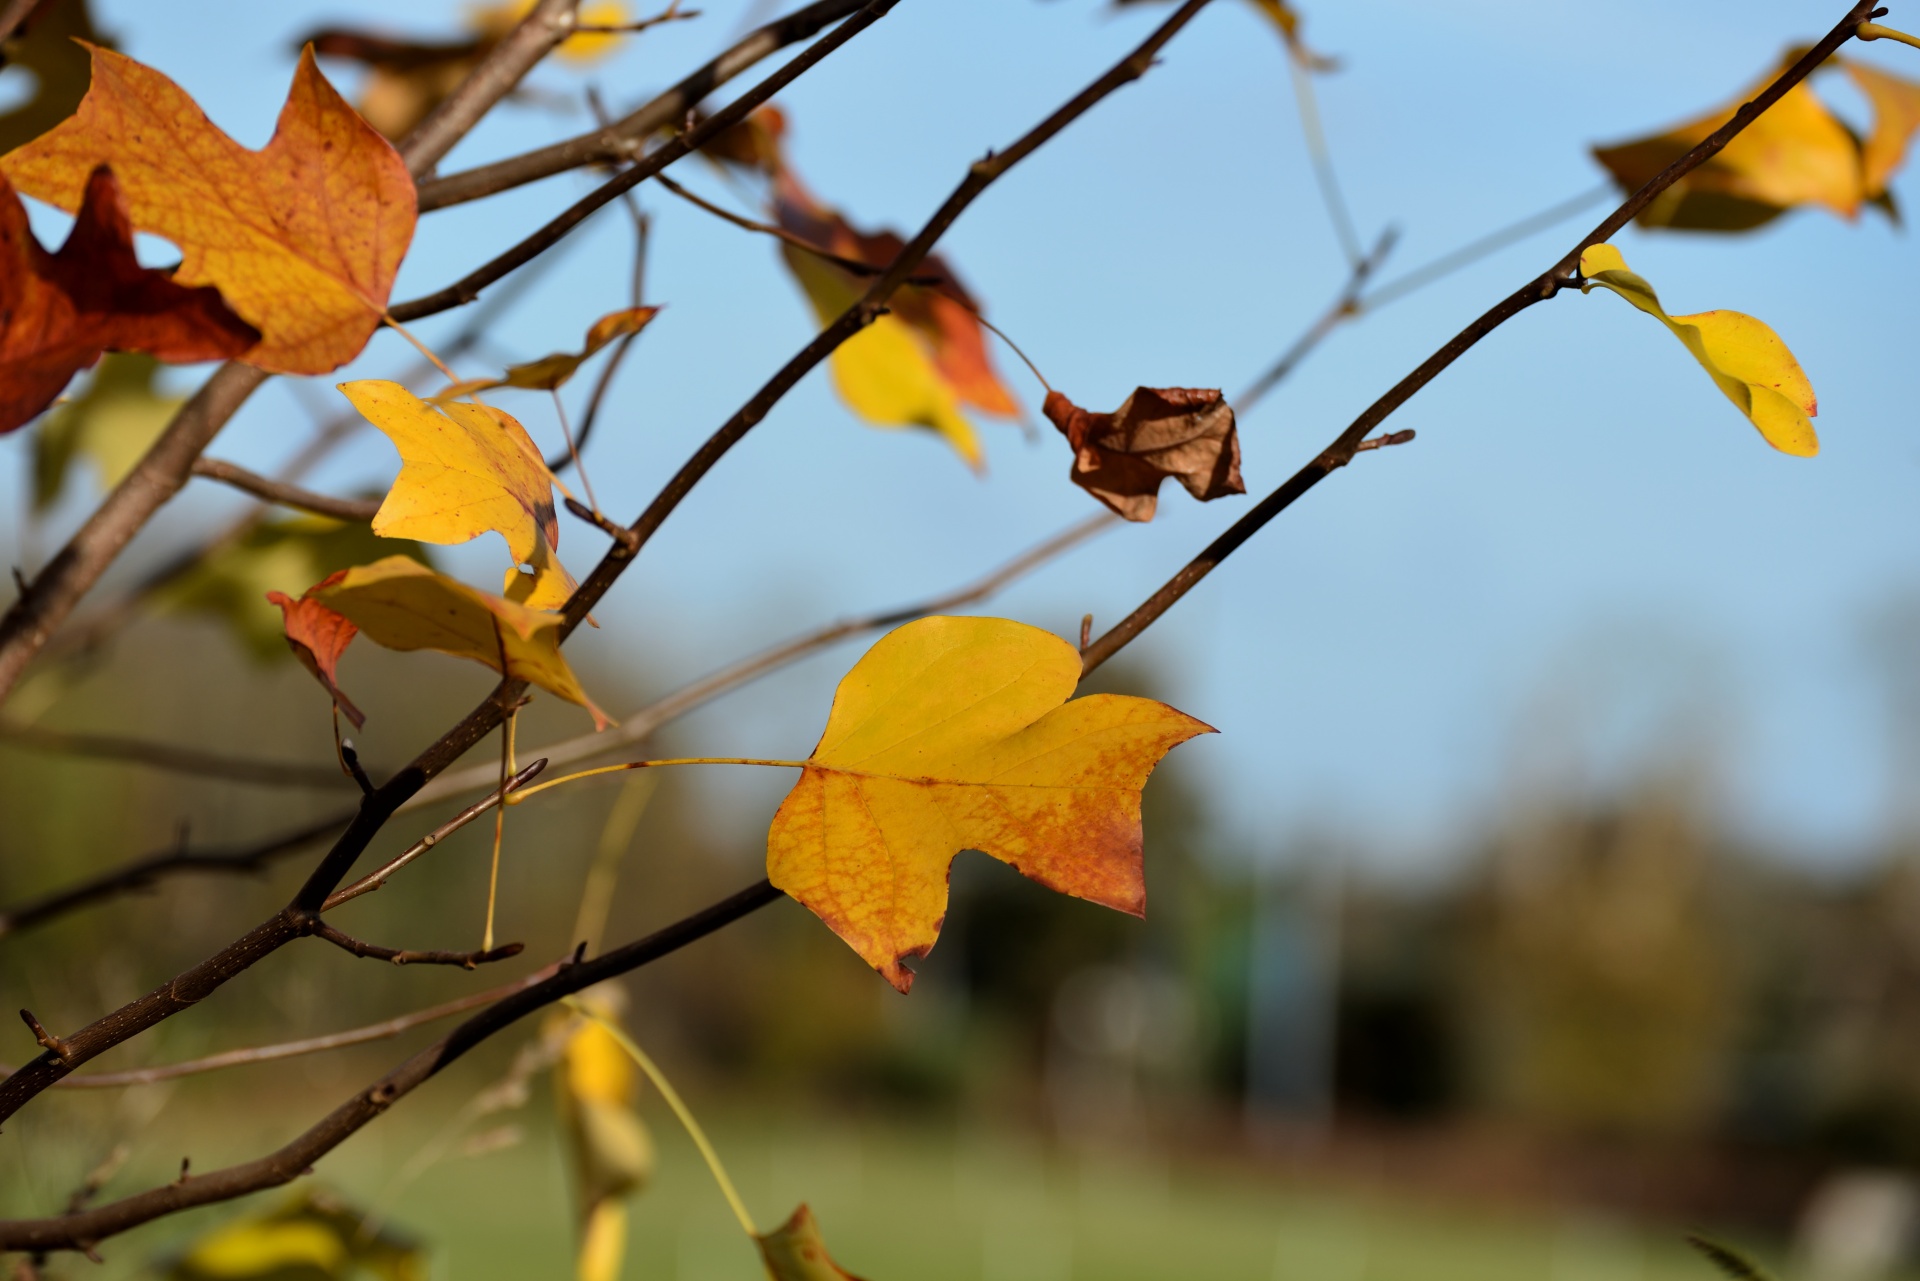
<point x="1549" y="891"/>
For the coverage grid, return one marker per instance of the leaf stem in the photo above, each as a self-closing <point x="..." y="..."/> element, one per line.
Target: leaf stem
<point x="680" y="1110"/>
<point x="518" y="796"/>
<point x="1874" y="31"/>
<point x="499" y="818"/>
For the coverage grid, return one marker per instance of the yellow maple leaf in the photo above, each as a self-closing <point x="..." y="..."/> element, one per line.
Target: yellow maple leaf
<point x="1747" y="360"/>
<point x="882" y="372"/>
<point x="551" y="372"/>
<point x="1896" y="115"/>
<point x="401" y="604"/>
<point x="952" y="734"/>
<point x="465" y="469"/>
<point x="302" y="238"/>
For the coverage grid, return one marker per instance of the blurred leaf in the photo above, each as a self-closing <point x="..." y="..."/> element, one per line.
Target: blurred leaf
<point x="795" y="1251"/>
<point x="44" y="49"/>
<point x="1746" y="359"/>
<point x="1121" y="458"/>
<point x="952" y="734"/>
<point x="465" y="469"/>
<point x="597" y="1082"/>
<point x="314" y="1237"/>
<point x="401" y="604"/>
<point x="318" y="637"/>
<point x="111" y="425"/>
<point x="234" y="579"/>
<point x="1896" y="114"/>
<point x="60" y="311"/>
<point x="1796" y="153"/>
<point x="1729" y="1261"/>
<point x="302" y="238"/>
<point x="552" y="372"/>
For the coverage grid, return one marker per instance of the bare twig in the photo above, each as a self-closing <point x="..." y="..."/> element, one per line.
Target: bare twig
<point x="1539" y="289"/>
<point x="623" y="139"/>
<point x="272" y="491"/>
<point x="53" y="1044"/>
<point x="169" y="757"/>
<point x="1344" y="306"/>
<point x="1473" y="251"/>
<point x="465" y="960"/>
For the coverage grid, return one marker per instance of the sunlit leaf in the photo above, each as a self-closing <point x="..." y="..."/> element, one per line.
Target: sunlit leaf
<point x="318" y="637"/>
<point x="302" y="238"/>
<point x="401" y="604"/>
<point x="313" y="1237"/>
<point x="110" y="425"/>
<point x="60" y="311"/>
<point x="795" y="1251"/>
<point x="597" y="1083"/>
<point x="1896" y="115"/>
<point x="1158" y="432"/>
<point x="952" y="734"/>
<point x="551" y="372"/>
<point x="496" y="20"/>
<point x="1746" y="359"/>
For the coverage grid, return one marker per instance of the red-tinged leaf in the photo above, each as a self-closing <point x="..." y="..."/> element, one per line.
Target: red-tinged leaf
<point x="795" y="1251"/>
<point x="318" y="637"/>
<point x="1121" y="458"/>
<point x="60" y="311"/>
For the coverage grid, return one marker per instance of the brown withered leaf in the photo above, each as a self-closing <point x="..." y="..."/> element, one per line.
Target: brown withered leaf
<point x="60" y="311"/>
<point x="318" y="637"/>
<point x="1120" y="458"/>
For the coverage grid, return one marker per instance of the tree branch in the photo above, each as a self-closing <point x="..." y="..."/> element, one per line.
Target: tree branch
<point x="465" y="960"/>
<point x="622" y="140"/>
<point x="1344" y="306"/>
<point x="1542" y="287"/>
<point x="177" y="760"/>
<point x="86" y="1228"/>
<point x="357" y="510"/>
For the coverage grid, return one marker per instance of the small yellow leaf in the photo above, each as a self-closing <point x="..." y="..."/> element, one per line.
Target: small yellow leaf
<point x="465" y="469"/>
<point x="883" y="373"/>
<point x="1746" y="359"/>
<point x="1896" y="115"/>
<point x="795" y="1251"/>
<point x="551" y="372"/>
<point x="313" y="1235"/>
<point x="401" y="604"/>
<point x="547" y="587"/>
<point x="952" y="734"/>
<point x="603" y="1243"/>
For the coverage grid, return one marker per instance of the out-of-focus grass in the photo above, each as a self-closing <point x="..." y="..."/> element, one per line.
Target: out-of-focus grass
<point x="917" y="1202"/>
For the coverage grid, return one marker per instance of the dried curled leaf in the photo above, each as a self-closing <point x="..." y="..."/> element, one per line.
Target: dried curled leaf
<point x="401" y="604"/>
<point x="1158" y="432"/>
<point x="952" y="734"/>
<point x="1747" y="360"/>
<point x="60" y="311"/>
<point x="552" y="372"/>
<point x="302" y="238"/>
<point x="795" y="1251"/>
<point x="318" y="637"/>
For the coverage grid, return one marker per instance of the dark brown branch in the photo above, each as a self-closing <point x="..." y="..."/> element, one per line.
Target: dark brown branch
<point x="171" y="758"/>
<point x="53" y="1044"/>
<point x="468" y="287"/>
<point x="385" y="1030"/>
<point x="75" y="1231"/>
<point x="295" y="920"/>
<point x="360" y="510"/>
<point x="1542" y="287"/>
<point x="143" y="872"/>
<point x="623" y="139"/>
<point x="400" y="956"/>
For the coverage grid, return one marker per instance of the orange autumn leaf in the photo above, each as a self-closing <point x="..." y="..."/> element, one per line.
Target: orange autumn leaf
<point x="318" y="637"/>
<point x="1158" y="432"/>
<point x="60" y="311"/>
<point x="549" y="373"/>
<point x="302" y="238"/>
<point x="952" y="734"/>
<point x="795" y="1251"/>
<point x="1795" y="153"/>
<point x="401" y="604"/>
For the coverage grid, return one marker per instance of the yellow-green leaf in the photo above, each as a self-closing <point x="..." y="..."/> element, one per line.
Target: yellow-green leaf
<point x="882" y="373"/>
<point x="314" y="1235"/>
<point x="111" y="426"/>
<point x="795" y="1251"/>
<point x="1746" y="359"/>
<point x="952" y="734"/>
<point x="551" y="372"/>
<point x="401" y="604"/>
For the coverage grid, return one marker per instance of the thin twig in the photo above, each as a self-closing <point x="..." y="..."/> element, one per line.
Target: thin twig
<point x="1322" y="158"/>
<point x="1474" y="250"/>
<point x="359" y="510"/>
<point x="1539" y="289"/>
<point x="1343" y="307"/>
<point x="170" y="757"/>
<point x="16" y="12"/>
<point x="400" y="956"/>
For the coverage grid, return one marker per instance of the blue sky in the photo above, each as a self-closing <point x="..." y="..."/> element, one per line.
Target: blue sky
<point x="1587" y="560"/>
